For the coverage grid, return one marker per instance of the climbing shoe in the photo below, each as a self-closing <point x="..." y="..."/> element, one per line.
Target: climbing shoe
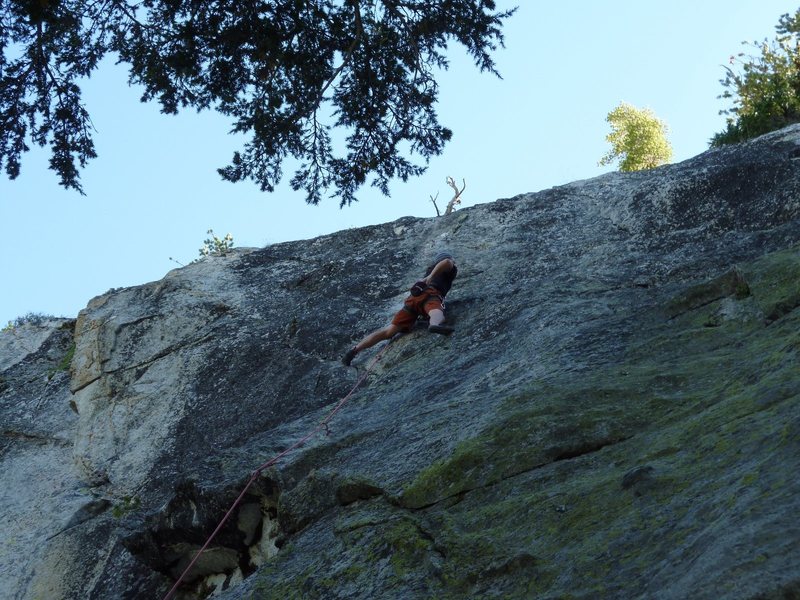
<point x="348" y="358"/>
<point x="443" y="329"/>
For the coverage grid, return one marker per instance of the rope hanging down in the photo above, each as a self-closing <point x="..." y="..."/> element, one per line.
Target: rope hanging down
<point x="322" y="426"/>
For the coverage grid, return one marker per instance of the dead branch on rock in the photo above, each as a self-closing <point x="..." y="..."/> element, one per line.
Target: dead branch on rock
<point x="438" y="214"/>
<point x="457" y="198"/>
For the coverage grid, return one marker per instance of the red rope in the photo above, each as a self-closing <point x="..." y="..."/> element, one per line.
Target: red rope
<point x="323" y="425"/>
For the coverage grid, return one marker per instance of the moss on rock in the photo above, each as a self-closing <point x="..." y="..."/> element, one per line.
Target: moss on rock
<point x="701" y="411"/>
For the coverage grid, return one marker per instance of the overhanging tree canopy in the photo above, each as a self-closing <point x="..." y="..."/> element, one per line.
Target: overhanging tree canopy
<point x="288" y="72"/>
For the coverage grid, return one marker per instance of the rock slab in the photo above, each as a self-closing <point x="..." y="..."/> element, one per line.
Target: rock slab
<point x="616" y="415"/>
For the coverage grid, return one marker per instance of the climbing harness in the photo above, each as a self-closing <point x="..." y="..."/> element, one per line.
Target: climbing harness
<point x="421" y="294"/>
<point x="323" y="426"/>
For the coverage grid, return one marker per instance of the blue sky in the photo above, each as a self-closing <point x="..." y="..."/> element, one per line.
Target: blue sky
<point x="154" y="192"/>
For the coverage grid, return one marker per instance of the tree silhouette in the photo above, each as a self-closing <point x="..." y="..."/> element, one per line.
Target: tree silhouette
<point x="344" y="86"/>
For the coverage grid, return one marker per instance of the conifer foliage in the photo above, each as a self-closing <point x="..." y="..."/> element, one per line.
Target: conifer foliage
<point x="764" y="88"/>
<point x="346" y="87"/>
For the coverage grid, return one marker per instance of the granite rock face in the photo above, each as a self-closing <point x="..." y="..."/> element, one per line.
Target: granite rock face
<point x="616" y="416"/>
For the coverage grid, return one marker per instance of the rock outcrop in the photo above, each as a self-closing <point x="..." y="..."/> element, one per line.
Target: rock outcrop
<point x="616" y="415"/>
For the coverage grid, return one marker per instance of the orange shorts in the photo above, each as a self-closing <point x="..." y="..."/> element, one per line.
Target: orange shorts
<point x="414" y="307"/>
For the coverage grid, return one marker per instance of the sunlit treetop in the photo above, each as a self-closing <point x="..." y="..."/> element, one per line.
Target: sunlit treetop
<point x="638" y="139"/>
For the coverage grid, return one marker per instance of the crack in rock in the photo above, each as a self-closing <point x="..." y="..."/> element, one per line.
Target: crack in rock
<point x="558" y="455"/>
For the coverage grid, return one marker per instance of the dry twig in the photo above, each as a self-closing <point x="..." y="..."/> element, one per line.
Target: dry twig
<point x="457" y="198"/>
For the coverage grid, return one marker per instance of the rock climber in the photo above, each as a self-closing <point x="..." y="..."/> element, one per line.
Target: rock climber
<point x="425" y="300"/>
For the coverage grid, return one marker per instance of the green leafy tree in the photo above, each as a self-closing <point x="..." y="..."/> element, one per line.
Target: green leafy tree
<point x="289" y="73"/>
<point x="764" y="88"/>
<point x="638" y="139"/>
